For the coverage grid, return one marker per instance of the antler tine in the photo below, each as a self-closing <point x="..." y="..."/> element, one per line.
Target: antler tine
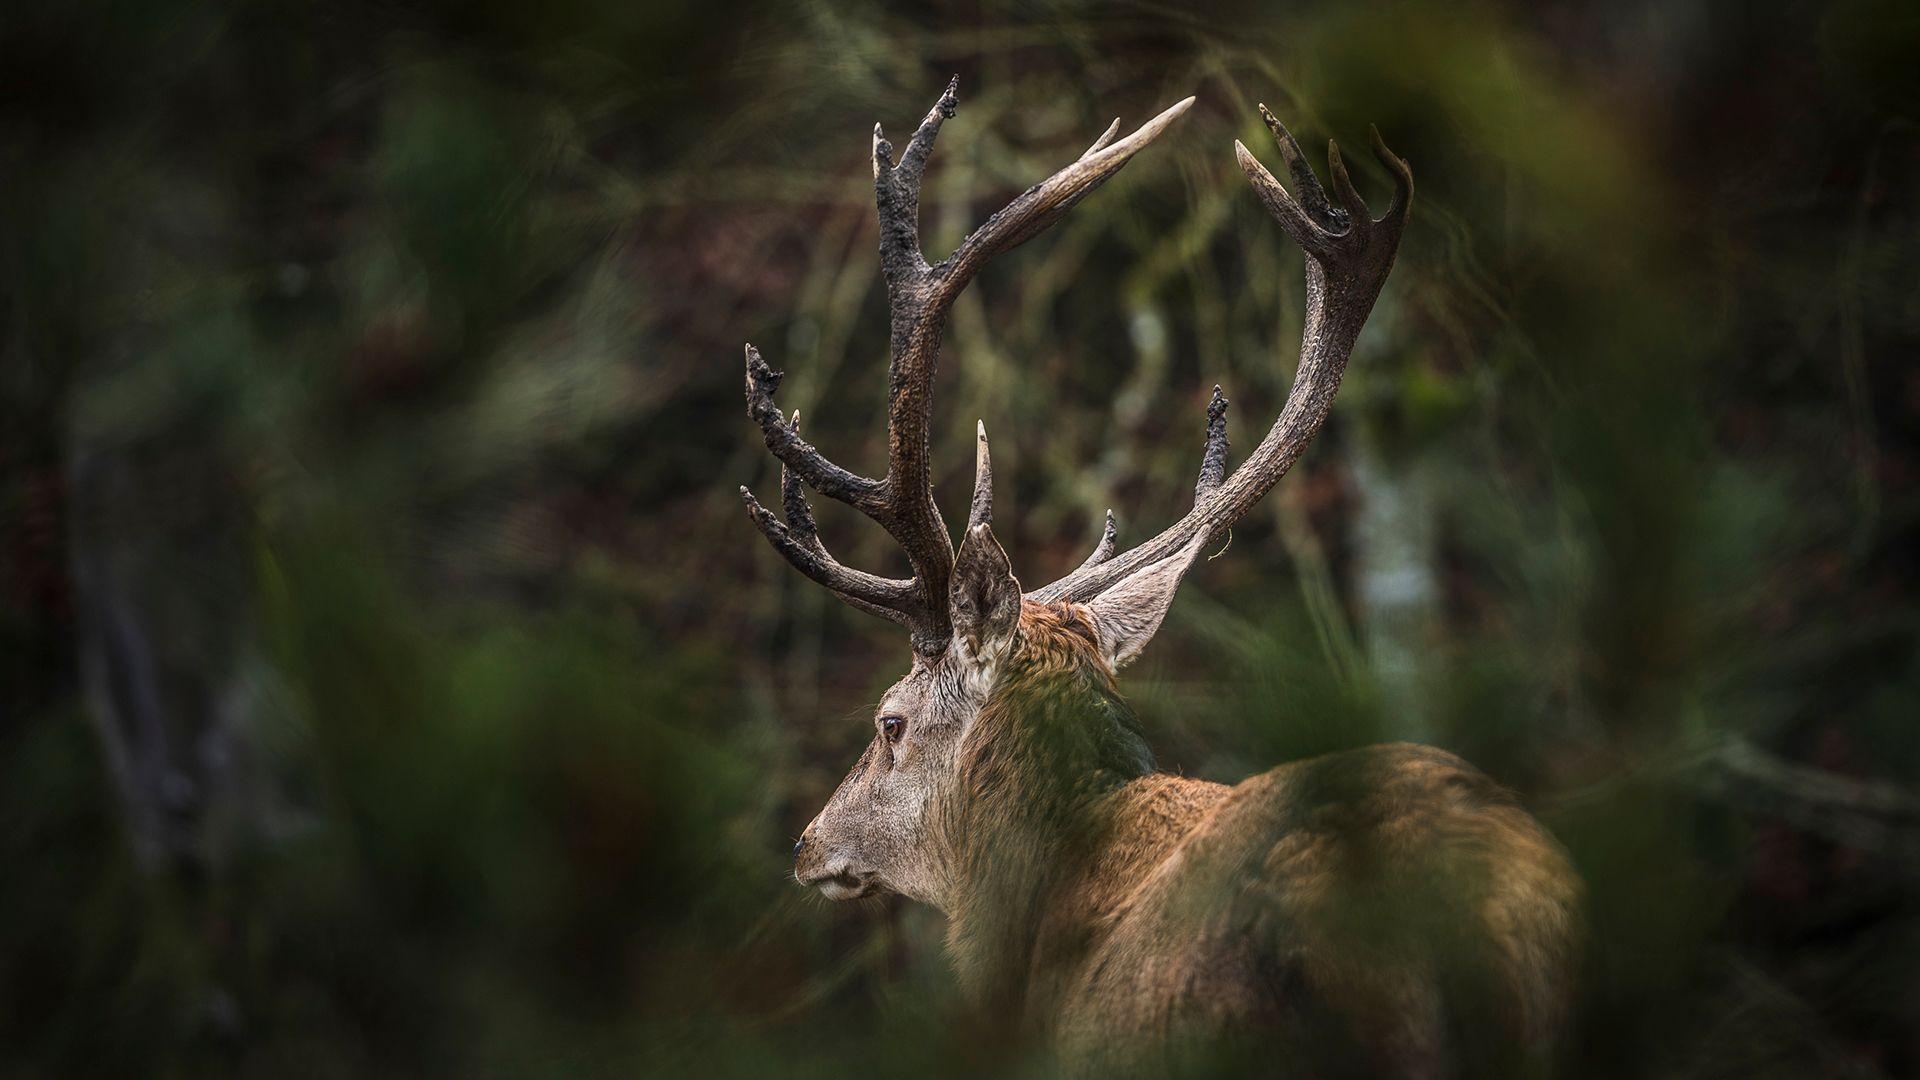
<point x="1349" y="255"/>
<point x="1402" y="174"/>
<point x="981" y="512"/>
<point x="920" y="147"/>
<point x="1103" y="550"/>
<point x="892" y="598"/>
<point x="794" y="453"/>
<point x="1312" y="196"/>
<point x="919" y="298"/>
<point x="1043" y="204"/>
<point x="896" y="191"/>
<point x="1106" y="137"/>
<point x="1213" y="460"/>
<point x="793" y="496"/>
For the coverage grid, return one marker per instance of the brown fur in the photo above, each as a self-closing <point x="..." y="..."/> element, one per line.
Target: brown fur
<point x="1383" y="911"/>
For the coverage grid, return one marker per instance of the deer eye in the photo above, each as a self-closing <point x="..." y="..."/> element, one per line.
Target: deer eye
<point x="893" y="727"/>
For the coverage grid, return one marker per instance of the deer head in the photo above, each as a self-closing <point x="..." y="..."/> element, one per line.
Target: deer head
<point x="892" y="823"/>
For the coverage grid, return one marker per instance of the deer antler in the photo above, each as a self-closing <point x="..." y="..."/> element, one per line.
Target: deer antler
<point x="919" y="296"/>
<point x="1349" y="255"/>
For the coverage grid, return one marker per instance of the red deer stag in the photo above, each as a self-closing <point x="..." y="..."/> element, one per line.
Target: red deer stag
<point x="1387" y="911"/>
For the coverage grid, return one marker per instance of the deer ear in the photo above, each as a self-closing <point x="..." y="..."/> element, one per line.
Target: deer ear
<point x="1127" y="614"/>
<point x="984" y="599"/>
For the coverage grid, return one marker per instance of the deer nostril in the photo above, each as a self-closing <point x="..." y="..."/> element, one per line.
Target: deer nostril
<point x="797" y="845"/>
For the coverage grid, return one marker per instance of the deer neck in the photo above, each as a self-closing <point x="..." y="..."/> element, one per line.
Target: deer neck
<point x="1038" y="807"/>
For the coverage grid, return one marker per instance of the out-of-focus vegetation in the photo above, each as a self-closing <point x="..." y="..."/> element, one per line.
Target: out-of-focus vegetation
<point x="392" y="685"/>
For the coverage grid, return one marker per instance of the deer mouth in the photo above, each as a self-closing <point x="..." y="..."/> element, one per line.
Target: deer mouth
<point x="844" y="885"/>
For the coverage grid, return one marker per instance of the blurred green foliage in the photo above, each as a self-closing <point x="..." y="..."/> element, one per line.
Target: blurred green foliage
<point x="370" y="430"/>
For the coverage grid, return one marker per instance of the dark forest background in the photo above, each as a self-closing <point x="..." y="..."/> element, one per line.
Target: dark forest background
<point x="392" y="685"/>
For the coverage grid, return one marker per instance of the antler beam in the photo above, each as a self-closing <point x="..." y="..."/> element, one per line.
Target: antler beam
<point x="1349" y="254"/>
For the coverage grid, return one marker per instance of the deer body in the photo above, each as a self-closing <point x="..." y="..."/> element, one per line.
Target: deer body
<point x="1387" y="911"/>
<point x="1361" y="910"/>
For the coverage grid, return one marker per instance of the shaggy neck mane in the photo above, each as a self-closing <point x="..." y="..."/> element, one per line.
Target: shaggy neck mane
<point x="1053" y="739"/>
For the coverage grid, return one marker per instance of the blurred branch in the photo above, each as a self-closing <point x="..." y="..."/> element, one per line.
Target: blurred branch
<point x="1783" y="1006"/>
<point x="1872" y="815"/>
